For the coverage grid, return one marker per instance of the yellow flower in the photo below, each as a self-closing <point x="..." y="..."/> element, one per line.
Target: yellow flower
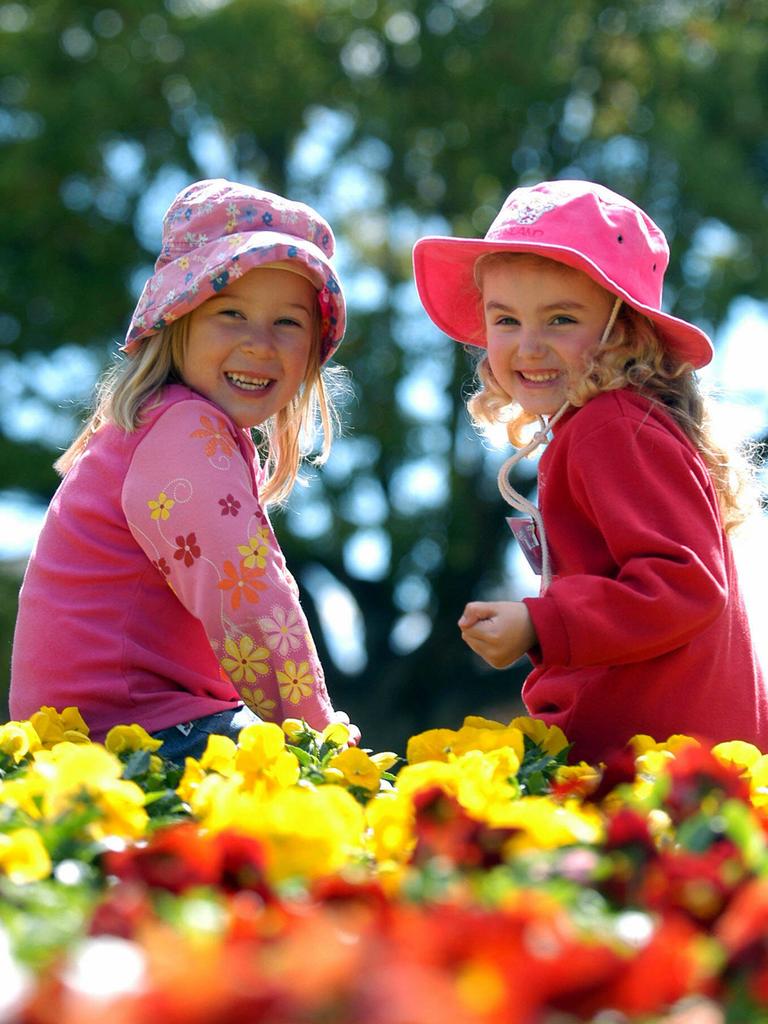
<point x="652" y="763"/>
<point x="390" y="819"/>
<point x="53" y="727"/>
<point x="641" y="743"/>
<point x="161" y="507"/>
<point x="357" y="768"/>
<point x="245" y="659"/>
<point x="581" y="778"/>
<point x="544" y="824"/>
<point x="262" y="757"/>
<point x="336" y="733"/>
<point x="24" y="792"/>
<point x="293" y="728"/>
<point x="471" y="737"/>
<point x="122" y="812"/>
<point x="127" y="738"/>
<point x="738" y="753"/>
<point x="17" y="739"/>
<point x="23" y="856"/>
<point x="256" y="550"/>
<point x="216" y="802"/>
<point x="478" y="722"/>
<point x="418" y="776"/>
<point x="71" y="776"/>
<point x="550" y="738"/>
<point x="384" y="760"/>
<point x="193" y="776"/>
<point x="295" y="681"/>
<point x="432" y="745"/>
<point x="758" y="781"/>
<point x="486" y="781"/>
<point x="307" y="832"/>
<point x="219" y="755"/>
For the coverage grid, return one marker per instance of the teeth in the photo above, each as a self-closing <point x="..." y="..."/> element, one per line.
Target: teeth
<point x="539" y="378"/>
<point x="248" y="383"/>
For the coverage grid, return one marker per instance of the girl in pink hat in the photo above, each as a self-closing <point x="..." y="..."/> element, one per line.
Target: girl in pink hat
<point x="157" y="592"/>
<point x="640" y="625"/>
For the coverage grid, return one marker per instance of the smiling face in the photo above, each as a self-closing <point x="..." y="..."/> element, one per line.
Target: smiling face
<point x="542" y="321"/>
<point x="248" y="347"/>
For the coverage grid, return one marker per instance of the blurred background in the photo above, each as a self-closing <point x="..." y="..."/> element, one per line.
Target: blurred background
<point x="395" y="118"/>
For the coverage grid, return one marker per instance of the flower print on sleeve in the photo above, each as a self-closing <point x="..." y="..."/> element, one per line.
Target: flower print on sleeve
<point x="230" y="506"/>
<point x="160" y="508"/>
<point x="187" y="549"/>
<point x="191" y="502"/>
<point x="255" y="552"/>
<point x="296" y="681"/>
<point x="242" y="582"/>
<point x="244" y="661"/>
<point x="258" y="701"/>
<point x="283" y="630"/>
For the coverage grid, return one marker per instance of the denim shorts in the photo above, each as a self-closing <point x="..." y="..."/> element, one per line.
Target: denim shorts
<point x="189" y="739"/>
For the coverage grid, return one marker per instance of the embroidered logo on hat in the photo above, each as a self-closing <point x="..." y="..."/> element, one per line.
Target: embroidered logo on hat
<point x="529" y="211"/>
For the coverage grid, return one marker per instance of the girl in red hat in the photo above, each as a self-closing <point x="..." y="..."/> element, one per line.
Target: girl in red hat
<point x="640" y="625"/>
<point x="157" y="592"/>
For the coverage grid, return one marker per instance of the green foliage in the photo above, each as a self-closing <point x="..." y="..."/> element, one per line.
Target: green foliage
<point x="442" y="107"/>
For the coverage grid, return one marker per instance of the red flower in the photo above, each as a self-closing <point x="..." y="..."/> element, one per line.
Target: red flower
<point x="230" y="506"/>
<point x="619" y="770"/>
<point x="181" y="857"/>
<point x="444" y="829"/>
<point x="695" y="776"/>
<point x="629" y="848"/>
<point x="122" y="911"/>
<point x="187" y="549"/>
<point x="665" y="970"/>
<point x="176" y="858"/>
<point x="700" y="884"/>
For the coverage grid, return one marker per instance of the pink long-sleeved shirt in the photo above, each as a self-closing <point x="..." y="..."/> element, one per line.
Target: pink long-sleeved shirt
<point x="157" y="592"/>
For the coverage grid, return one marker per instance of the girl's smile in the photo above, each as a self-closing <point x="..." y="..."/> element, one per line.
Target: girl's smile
<point x="248" y="347"/>
<point x="542" y="321"/>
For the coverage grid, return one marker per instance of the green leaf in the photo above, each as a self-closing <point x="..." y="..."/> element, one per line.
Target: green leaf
<point x="137" y="764"/>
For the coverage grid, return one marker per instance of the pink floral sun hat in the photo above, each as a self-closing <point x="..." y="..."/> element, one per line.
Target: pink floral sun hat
<point x="217" y="230"/>
<point x="579" y="223"/>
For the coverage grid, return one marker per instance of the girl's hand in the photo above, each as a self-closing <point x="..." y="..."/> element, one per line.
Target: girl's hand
<point x="354" y="732"/>
<point x="499" y="631"/>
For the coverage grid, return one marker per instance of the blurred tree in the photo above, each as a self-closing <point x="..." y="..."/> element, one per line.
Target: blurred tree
<point x="396" y="118"/>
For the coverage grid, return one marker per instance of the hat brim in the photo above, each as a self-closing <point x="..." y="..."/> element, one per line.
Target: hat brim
<point x="444" y="271"/>
<point x="181" y="286"/>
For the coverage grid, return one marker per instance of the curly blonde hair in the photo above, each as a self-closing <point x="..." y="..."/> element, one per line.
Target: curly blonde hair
<point x="132" y="386"/>
<point x="633" y="356"/>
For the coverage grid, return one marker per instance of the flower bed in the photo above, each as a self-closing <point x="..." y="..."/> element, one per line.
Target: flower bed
<point x="291" y="879"/>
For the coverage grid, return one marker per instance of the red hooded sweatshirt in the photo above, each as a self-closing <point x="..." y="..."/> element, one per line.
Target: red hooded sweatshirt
<point x="643" y="629"/>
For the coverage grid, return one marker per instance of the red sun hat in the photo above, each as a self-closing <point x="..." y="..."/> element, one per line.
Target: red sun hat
<point x="217" y="230"/>
<point x="578" y="223"/>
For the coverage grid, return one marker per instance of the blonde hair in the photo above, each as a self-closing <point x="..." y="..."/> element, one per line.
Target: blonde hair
<point x="633" y="356"/>
<point x="132" y="386"/>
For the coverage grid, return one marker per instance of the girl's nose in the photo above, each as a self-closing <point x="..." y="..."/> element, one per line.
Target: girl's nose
<point x="530" y="343"/>
<point x="258" y="338"/>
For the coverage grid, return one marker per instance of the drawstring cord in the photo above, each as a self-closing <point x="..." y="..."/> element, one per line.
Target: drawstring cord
<point x="517" y="500"/>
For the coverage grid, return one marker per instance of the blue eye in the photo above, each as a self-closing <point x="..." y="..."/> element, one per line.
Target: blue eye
<point x="231" y="313"/>
<point x="562" y="318"/>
